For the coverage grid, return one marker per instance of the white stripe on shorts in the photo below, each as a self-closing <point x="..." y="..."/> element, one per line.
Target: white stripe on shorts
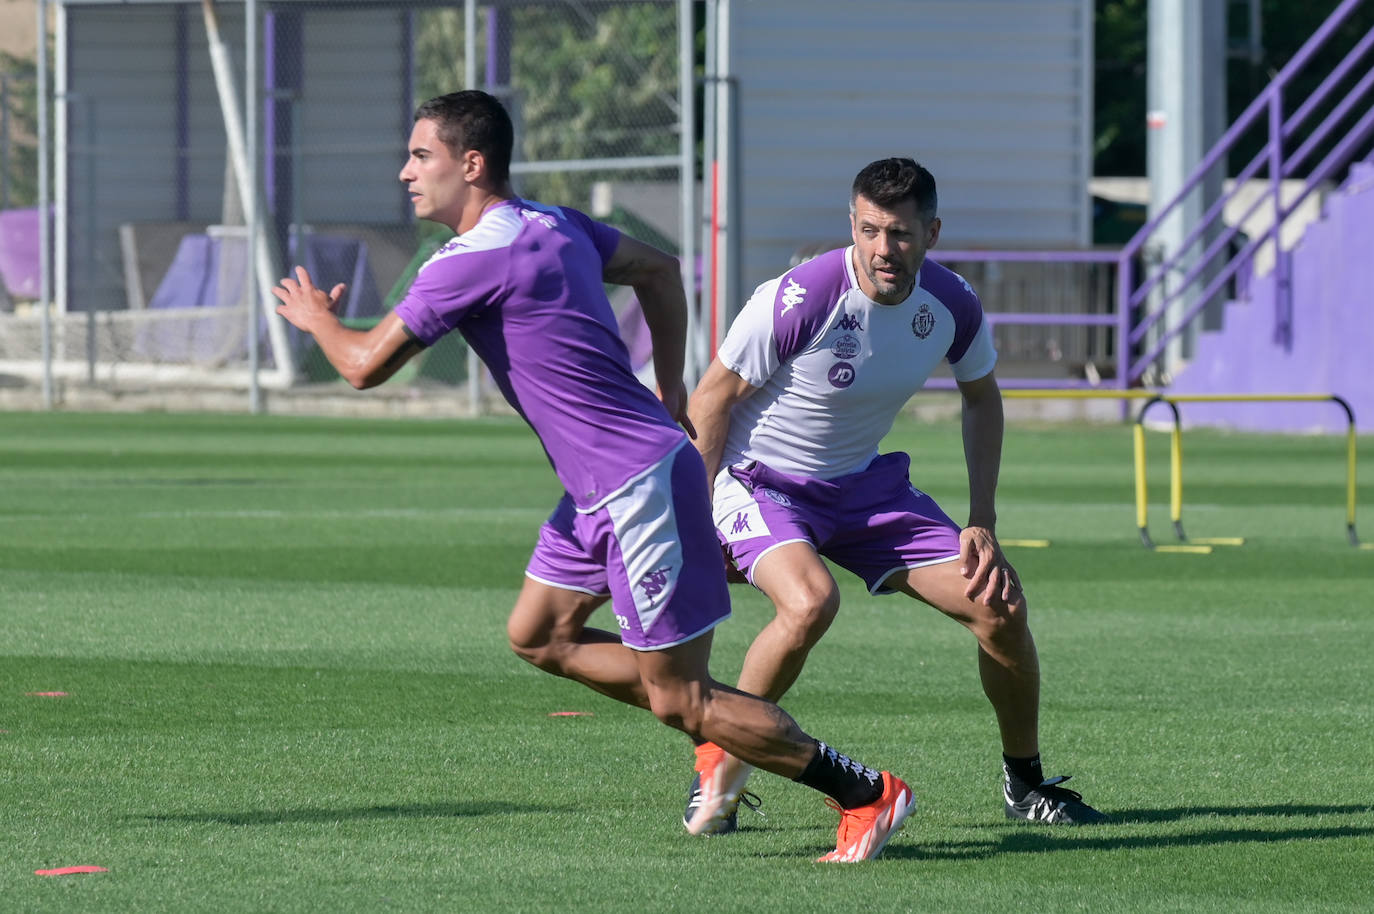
<point x="645" y="524"/>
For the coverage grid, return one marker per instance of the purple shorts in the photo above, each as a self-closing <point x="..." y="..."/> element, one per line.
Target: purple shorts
<point x="873" y="522"/>
<point x="650" y="547"/>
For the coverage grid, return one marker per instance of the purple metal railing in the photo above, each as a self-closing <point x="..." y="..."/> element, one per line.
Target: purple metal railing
<point x="1192" y="289"/>
<point x="1270" y="102"/>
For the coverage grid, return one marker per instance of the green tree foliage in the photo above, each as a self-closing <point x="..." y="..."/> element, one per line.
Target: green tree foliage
<point x="19" y="145"/>
<point x="1119" y="101"/>
<point x="439" y="51"/>
<point x="592" y="87"/>
<point x="586" y="81"/>
<point x="1122" y="44"/>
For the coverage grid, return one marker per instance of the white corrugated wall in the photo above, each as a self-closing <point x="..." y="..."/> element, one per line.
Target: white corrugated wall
<point x="994" y="96"/>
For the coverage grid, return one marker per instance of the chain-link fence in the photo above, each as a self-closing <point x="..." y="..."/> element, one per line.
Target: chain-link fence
<point x="160" y="268"/>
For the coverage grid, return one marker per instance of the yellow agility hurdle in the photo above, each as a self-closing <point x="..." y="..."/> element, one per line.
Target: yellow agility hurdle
<point x="1016" y="393"/>
<point x="1176" y="464"/>
<point x="1198" y="546"/>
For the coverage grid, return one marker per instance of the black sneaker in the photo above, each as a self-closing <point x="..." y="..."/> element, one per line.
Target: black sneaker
<point x="1052" y="804"/>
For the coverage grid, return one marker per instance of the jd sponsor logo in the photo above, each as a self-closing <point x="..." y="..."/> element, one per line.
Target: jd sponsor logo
<point x="841" y="375"/>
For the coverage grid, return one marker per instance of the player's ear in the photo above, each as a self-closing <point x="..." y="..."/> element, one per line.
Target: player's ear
<point x="474" y="165"/>
<point x="933" y="233"/>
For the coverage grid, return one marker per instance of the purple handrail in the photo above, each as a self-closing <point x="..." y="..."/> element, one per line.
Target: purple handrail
<point x="1362" y="131"/>
<point x="1270" y="100"/>
<point x="1129" y="295"/>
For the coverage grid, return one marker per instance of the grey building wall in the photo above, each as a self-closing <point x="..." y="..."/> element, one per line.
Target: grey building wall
<point x="994" y="96"/>
<point x="125" y="161"/>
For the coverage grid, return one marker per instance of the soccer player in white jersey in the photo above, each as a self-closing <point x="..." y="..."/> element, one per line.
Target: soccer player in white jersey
<point x="789" y="415"/>
<point x="522" y="282"/>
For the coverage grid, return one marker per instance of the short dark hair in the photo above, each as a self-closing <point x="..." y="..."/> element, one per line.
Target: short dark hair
<point x="472" y="119"/>
<point x="888" y="182"/>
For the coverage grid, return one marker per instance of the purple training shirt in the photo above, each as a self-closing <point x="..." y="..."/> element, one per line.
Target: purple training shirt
<point x="524" y="288"/>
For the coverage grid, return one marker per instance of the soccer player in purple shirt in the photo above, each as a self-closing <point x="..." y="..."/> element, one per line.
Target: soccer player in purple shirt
<point x="789" y="416"/>
<point x="522" y="282"/>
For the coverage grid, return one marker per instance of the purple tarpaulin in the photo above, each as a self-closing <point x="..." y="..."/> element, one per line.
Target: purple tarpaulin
<point x="197" y="279"/>
<point x="19" y="255"/>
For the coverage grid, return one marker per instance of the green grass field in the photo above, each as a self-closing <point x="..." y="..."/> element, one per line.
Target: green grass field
<point x="282" y="647"/>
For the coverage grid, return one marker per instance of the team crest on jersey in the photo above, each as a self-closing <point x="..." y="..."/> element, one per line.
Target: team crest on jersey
<point x="849" y="322"/>
<point x="923" y="323"/>
<point x="777" y="497"/>
<point x="792" y="295"/>
<point x="846" y="347"/>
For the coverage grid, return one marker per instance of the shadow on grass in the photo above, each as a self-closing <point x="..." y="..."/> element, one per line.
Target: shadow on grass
<point x="1025" y="838"/>
<point x="1178" y="814"/>
<point x="292" y="816"/>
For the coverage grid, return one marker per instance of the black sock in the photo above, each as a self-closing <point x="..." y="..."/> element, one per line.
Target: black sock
<point x="851" y="784"/>
<point x="1022" y="775"/>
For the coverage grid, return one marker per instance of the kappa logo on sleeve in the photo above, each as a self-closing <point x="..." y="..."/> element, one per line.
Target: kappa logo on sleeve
<point x="533" y="215"/>
<point x="792" y="295"/>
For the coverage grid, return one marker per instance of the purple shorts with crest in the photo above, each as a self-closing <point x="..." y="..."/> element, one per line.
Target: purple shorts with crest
<point x="650" y="547"/>
<point x="872" y="523"/>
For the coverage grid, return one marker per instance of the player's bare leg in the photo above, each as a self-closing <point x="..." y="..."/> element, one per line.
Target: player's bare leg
<point x="806" y="599"/>
<point x="683" y="695"/>
<point x="1007" y="661"/>
<point x="547" y="628"/>
<point x="1010" y="671"/>
<point x="873" y="805"/>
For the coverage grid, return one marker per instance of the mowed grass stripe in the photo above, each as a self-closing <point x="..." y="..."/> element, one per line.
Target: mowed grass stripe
<point x="288" y="689"/>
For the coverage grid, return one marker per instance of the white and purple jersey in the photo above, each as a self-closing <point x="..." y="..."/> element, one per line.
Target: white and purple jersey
<point x="834" y="367"/>
<point x="524" y="288"/>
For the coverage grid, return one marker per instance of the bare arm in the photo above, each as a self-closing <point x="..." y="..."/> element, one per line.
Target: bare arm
<point x="982" y="426"/>
<point x="990" y="575"/>
<point x="719" y="390"/>
<point x="657" y="282"/>
<point x="365" y="358"/>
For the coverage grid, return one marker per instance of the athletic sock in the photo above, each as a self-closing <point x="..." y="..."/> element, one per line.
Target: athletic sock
<point x="1023" y="775"/>
<point x="850" y="784"/>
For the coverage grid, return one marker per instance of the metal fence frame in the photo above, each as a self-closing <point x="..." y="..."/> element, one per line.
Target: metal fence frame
<point x="244" y="137"/>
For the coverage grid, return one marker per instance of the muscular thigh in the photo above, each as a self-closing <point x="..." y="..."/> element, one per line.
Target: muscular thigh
<point x="544" y="613"/>
<point x="942" y="586"/>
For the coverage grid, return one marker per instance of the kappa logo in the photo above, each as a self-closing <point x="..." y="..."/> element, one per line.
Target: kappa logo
<point x="923" y="323"/>
<point x="849" y="322"/>
<point x="792" y="295"/>
<point x="533" y="215"/>
<point x="741" y="524"/>
<point x="654" y="582"/>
